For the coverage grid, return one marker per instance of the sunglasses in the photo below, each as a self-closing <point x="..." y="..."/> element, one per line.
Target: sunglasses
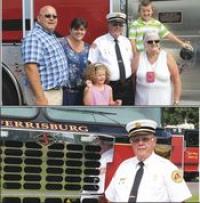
<point x="153" y="41"/>
<point x="50" y="16"/>
<point x="138" y="139"/>
<point x="117" y="24"/>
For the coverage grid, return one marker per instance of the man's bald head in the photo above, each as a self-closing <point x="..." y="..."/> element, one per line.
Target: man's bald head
<point x="46" y="8"/>
<point x="47" y="18"/>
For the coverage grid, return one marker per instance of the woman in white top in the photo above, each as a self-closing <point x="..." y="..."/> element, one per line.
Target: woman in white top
<point x="157" y="76"/>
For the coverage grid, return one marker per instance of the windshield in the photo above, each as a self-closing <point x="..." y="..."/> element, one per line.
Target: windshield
<point x="114" y="115"/>
<point x="192" y="138"/>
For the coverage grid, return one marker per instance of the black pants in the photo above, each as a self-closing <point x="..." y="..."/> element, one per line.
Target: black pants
<point x="72" y="97"/>
<point x="124" y="91"/>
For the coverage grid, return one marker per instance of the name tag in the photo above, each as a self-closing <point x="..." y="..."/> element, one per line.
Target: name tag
<point x="150" y="76"/>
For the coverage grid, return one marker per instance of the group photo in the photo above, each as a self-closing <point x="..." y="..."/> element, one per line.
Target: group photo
<point x="142" y="52"/>
<point x="99" y="101"/>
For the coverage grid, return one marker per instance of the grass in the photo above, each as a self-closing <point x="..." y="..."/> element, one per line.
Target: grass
<point x="194" y="198"/>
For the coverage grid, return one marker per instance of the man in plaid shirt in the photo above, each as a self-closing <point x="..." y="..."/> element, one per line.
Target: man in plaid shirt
<point x="44" y="59"/>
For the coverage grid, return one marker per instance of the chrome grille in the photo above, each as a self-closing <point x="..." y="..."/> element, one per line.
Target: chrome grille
<point x="59" y="172"/>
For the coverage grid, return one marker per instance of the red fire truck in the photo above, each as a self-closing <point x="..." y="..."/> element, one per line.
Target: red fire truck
<point x="180" y="16"/>
<point x="191" y="153"/>
<point x="56" y="154"/>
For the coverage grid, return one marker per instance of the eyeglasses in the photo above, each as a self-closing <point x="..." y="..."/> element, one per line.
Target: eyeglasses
<point x="117" y="24"/>
<point x="138" y="139"/>
<point x="153" y="41"/>
<point x="50" y="16"/>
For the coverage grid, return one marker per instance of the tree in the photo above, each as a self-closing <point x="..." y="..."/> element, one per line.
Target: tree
<point x="178" y="115"/>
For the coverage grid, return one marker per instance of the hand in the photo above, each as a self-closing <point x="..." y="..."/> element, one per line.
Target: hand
<point x="41" y="101"/>
<point x="118" y="102"/>
<point x="88" y="83"/>
<point x="187" y="45"/>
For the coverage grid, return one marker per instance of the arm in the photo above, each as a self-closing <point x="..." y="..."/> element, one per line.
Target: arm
<point x="117" y="102"/>
<point x="175" y="39"/>
<point x="132" y="33"/>
<point x="33" y="76"/>
<point x="94" y="53"/>
<point x="135" y="63"/>
<point x="175" y="77"/>
<point x="134" y="48"/>
<point x="87" y="95"/>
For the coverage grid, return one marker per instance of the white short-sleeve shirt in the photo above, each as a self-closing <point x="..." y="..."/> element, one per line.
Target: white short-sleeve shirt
<point x="161" y="182"/>
<point x="103" y="51"/>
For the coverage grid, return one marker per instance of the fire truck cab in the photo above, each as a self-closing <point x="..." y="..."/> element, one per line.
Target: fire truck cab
<point x="180" y="16"/>
<point x="69" y="155"/>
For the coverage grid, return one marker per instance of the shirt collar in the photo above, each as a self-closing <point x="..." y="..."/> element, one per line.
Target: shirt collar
<point x="110" y="37"/>
<point x="38" y="26"/>
<point x="148" y="160"/>
<point x="145" y="22"/>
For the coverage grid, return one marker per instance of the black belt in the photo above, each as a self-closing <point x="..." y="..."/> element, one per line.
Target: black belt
<point x="55" y="88"/>
<point x="119" y="82"/>
<point x="72" y="89"/>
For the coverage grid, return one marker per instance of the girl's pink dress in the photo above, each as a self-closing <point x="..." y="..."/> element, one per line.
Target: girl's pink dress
<point x="101" y="97"/>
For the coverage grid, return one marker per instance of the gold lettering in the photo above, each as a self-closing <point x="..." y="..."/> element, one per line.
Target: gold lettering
<point x="7" y="123"/>
<point x="53" y="127"/>
<point x="18" y="124"/>
<point x="73" y="128"/>
<point x="83" y="128"/>
<point x="44" y="126"/>
<point x="37" y="125"/>
<point x="29" y="125"/>
<point x="62" y="127"/>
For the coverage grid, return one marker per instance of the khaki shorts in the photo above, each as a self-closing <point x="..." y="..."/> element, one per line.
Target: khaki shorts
<point x="54" y="97"/>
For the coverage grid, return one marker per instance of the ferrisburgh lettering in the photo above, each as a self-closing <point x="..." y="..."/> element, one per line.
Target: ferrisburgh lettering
<point x="44" y="126"/>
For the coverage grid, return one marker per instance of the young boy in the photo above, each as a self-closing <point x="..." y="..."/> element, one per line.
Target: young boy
<point x="145" y="23"/>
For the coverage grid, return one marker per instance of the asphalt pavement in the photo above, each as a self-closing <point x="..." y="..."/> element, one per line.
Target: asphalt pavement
<point x="190" y="87"/>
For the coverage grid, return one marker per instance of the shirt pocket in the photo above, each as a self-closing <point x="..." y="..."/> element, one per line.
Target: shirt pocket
<point x="156" y="187"/>
<point x="107" y="52"/>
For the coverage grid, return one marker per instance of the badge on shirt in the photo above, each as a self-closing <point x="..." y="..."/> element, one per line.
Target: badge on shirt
<point x="122" y="181"/>
<point x="150" y="76"/>
<point x="177" y="176"/>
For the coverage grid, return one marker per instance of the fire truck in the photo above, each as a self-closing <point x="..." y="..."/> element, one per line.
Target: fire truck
<point x="57" y="154"/>
<point x="180" y="16"/>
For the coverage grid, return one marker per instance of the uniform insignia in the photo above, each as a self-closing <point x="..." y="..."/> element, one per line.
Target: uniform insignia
<point x="68" y="201"/>
<point x="93" y="45"/>
<point x="177" y="176"/>
<point x="137" y="125"/>
<point x="122" y="181"/>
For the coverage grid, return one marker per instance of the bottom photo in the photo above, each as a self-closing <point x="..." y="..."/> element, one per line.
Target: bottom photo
<point x="99" y="154"/>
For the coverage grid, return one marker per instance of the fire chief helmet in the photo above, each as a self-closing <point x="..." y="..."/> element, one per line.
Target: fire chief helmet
<point x="141" y="127"/>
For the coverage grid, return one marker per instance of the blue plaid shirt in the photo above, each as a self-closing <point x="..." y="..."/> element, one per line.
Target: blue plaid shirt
<point x="43" y="48"/>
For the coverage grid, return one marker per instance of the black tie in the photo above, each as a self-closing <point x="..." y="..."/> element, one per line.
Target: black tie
<point x="120" y="62"/>
<point x="138" y="177"/>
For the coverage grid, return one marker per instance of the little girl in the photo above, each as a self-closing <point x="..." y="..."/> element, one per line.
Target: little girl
<point x="97" y="92"/>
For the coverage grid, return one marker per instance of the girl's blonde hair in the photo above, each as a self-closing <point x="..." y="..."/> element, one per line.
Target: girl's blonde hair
<point x="90" y="72"/>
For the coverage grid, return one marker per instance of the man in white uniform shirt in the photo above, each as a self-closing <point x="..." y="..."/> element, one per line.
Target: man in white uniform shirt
<point x="103" y="50"/>
<point x="161" y="180"/>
